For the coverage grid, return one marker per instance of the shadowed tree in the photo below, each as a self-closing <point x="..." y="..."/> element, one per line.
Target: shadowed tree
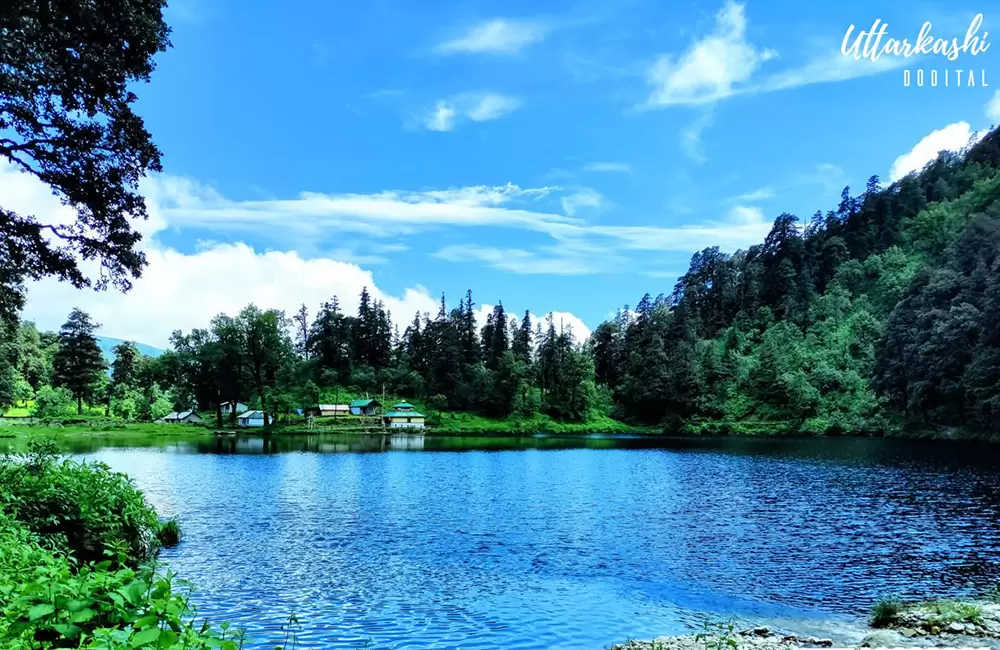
<point x="67" y="77"/>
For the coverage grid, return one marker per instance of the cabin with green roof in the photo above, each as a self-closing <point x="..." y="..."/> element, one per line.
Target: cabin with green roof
<point x="364" y="407"/>
<point x="404" y="416"/>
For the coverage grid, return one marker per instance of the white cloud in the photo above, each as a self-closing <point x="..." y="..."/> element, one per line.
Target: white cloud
<point x="746" y="215"/>
<point x="607" y="167"/>
<point x="759" y="194"/>
<point x="993" y="108"/>
<point x="563" y="320"/>
<point x="446" y="114"/>
<point x="691" y="142"/>
<point x="713" y="67"/>
<point x="497" y="36"/>
<point x="586" y="198"/>
<point x="950" y="138"/>
<point x="515" y="260"/>
<point x="725" y="64"/>
<point x="180" y="290"/>
<point x="441" y="118"/>
<point x="492" y="106"/>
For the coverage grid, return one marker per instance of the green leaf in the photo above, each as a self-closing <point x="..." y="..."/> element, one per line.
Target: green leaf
<point x="146" y="636"/>
<point x="82" y="616"/>
<point x="67" y="630"/>
<point x="39" y="611"/>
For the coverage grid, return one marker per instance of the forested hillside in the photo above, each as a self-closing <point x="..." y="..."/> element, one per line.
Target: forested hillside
<point x="878" y="316"/>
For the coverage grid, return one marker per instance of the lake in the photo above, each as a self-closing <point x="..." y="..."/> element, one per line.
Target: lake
<point x="568" y="543"/>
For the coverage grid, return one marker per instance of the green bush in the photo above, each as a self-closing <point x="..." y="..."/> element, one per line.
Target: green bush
<point x="886" y="611"/>
<point x="82" y="509"/>
<point x="170" y="532"/>
<point x="55" y="515"/>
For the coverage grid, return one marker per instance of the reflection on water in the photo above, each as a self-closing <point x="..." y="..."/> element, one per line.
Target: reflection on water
<point x="566" y="542"/>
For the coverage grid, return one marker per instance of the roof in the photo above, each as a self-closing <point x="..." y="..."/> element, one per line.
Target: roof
<point x="403" y="405"/>
<point x="364" y="402"/>
<point x="174" y="415"/>
<point x="252" y="415"/>
<point x="403" y="414"/>
<point x="332" y="407"/>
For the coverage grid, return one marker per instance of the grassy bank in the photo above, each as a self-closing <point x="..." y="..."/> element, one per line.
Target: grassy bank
<point x="77" y="550"/>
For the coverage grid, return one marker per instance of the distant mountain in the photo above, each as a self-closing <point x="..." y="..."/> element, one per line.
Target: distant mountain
<point x="107" y="347"/>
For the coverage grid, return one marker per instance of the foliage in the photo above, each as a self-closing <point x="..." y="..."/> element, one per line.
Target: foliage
<point x="82" y="509"/>
<point x="52" y="402"/>
<point x="68" y="74"/>
<point x="169" y="533"/>
<point x="78" y="363"/>
<point x="718" y="635"/>
<point x="52" y="596"/>
<point x="886" y="611"/>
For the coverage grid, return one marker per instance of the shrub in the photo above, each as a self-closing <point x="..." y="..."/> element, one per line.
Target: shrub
<point x="885" y="611"/>
<point x="83" y="509"/>
<point x="170" y="532"/>
<point x="52" y="402"/>
<point x="55" y="515"/>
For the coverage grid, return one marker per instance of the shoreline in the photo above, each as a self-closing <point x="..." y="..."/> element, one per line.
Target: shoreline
<point x="945" y="623"/>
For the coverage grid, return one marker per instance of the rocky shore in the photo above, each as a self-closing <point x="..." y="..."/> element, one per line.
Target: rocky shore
<point x="951" y="624"/>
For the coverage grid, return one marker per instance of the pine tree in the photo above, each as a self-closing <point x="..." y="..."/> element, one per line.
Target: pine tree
<point x="78" y="363"/>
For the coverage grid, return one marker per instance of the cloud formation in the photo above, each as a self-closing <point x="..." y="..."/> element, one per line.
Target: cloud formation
<point x="620" y="167"/>
<point x="724" y="63"/>
<point x="446" y="114"/>
<point x="950" y="138"/>
<point x="181" y="290"/>
<point x="713" y="67"/>
<point x="497" y="36"/>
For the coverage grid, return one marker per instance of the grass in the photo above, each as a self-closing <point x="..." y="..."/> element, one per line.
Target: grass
<point x="886" y="611"/>
<point x="449" y="423"/>
<point x="170" y="532"/>
<point x="30" y="430"/>
<point x="935" y="613"/>
<point x="946" y="612"/>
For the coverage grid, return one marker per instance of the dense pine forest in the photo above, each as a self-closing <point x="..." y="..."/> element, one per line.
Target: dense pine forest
<point x="879" y="316"/>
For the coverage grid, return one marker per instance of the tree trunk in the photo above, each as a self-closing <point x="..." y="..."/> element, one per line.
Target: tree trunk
<point x="79" y="404"/>
<point x="218" y="409"/>
<point x="263" y="408"/>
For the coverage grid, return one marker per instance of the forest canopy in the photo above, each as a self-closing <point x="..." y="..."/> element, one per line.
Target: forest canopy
<point x="877" y="316"/>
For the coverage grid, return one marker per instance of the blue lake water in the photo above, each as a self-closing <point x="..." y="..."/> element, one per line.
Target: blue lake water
<point x="559" y="542"/>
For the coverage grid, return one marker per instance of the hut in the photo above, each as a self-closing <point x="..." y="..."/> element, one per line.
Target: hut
<point x="364" y="407"/>
<point x="251" y="419"/>
<point x="181" y="417"/>
<point x="404" y="416"/>
<point x="330" y="410"/>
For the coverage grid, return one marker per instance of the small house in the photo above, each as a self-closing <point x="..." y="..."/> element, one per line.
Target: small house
<point x="364" y="407"/>
<point x="183" y="417"/>
<point x="330" y="410"/>
<point x="227" y="407"/>
<point x="404" y="415"/>
<point x="251" y="419"/>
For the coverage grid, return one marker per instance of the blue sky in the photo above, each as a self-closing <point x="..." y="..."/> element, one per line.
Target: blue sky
<point x="565" y="156"/>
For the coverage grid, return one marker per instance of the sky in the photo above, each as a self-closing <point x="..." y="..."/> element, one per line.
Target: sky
<point x="564" y="157"/>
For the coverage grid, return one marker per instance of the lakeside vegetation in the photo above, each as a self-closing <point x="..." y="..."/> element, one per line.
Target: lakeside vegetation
<point x="78" y="544"/>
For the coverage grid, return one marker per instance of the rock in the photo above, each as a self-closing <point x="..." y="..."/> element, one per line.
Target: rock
<point x="882" y="639"/>
<point x="908" y="632"/>
<point x="956" y="628"/>
<point x="761" y="630"/>
<point x="935" y="629"/>
<point x="823" y="643"/>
